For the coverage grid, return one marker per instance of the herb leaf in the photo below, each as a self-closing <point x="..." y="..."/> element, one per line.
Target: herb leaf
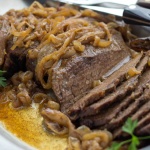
<point x="135" y="142"/>
<point x="130" y="126"/>
<point x="132" y="146"/>
<point x="115" y="146"/>
<point x="2" y="79"/>
<point x="3" y="82"/>
<point x="2" y="72"/>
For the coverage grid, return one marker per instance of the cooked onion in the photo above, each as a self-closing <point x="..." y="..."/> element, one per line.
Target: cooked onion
<point x="149" y="61"/>
<point x="140" y="44"/>
<point x="78" y="46"/>
<point x="133" y="71"/>
<point x="57" y="117"/>
<point x="74" y="144"/>
<point x="56" y="128"/>
<point x="39" y="97"/>
<point x="23" y="91"/>
<point x="39" y="26"/>
<point x="89" y="140"/>
<point x="24" y="98"/>
<point x="81" y="138"/>
<point x="54" y="56"/>
<point x="133" y="53"/>
<point x="96" y="83"/>
<point x="53" y="105"/>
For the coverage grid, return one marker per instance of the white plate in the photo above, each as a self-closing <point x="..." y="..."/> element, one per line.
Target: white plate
<point x="7" y="140"/>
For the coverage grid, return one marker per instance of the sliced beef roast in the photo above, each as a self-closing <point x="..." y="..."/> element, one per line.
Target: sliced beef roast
<point x="120" y="95"/>
<point x="120" y="119"/>
<point x="75" y="76"/>
<point x="112" y="111"/>
<point x="3" y="39"/>
<point x="108" y="85"/>
<point x="145" y="121"/>
<point x="103" y="117"/>
<point x="15" y="61"/>
<point x="140" y="110"/>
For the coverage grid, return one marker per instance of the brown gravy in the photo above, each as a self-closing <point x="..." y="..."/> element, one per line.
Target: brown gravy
<point x="26" y="124"/>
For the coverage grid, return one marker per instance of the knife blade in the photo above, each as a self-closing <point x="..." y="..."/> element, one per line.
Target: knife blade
<point x="133" y="14"/>
<point x="106" y="3"/>
<point x="97" y="2"/>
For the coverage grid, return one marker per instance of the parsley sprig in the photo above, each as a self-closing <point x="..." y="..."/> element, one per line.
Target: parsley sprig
<point x="134" y="141"/>
<point x="2" y="79"/>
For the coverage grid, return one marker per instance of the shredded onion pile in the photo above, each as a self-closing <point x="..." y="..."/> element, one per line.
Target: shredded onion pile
<point x="81" y="138"/>
<point x="61" y="29"/>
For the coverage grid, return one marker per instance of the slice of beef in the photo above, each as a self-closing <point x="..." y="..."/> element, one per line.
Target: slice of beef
<point x="108" y="85"/>
<point x="140" y="44"/>
<point x="34" y="55"/>
<point x="123" y="115"/>
<point x="142" y="114"/>
<point x="143" y="122"/>
<point x="15" y="60"/>
<point x="104" y="116"/>
<point x="139" y="115"/>
<point x="142" y="111"/>
<point x="3" y="40"/>
<point x="123" y="90"/>
<point x="145" y="82"/>
<point x="145" y="130"/>
<point x="75" y="75"/>
<point x="4" y="29"/>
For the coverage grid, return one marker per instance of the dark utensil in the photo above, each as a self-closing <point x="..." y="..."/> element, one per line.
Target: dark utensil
<point x="133" y="14"/>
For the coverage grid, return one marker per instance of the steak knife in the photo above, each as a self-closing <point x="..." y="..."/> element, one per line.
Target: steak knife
<point x="132" y="14"/>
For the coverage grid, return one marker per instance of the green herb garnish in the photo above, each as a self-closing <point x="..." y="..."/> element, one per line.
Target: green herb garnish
<point x="2" y="79"/>
<point x="134" y="141"/>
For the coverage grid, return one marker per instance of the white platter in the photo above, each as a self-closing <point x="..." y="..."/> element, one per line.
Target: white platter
<point x="7" y="140"/>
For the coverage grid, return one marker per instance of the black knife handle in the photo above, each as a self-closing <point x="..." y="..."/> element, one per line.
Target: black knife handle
<point x="138" y="15"/>
<point x="144" y="3"/>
